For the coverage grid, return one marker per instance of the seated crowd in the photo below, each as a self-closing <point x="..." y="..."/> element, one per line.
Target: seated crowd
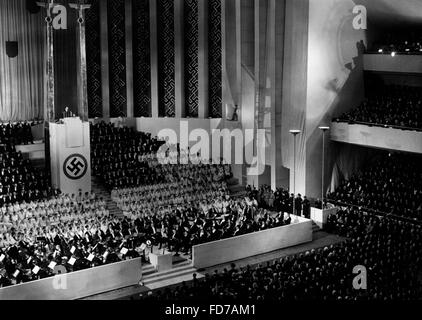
<point x="19" y="181"/>
<point x="179" y="216"/>
<point x="177" y="206"/>
<point x="398" y="106"/>
<point x="192" y="206"/>
<point x="79" y="233"/>
<point x="121" y="156"/>
<point x="16" y="133"/>
<point x="391" y="183"/>
<point x="390" y="250"/>
<point x="34" y="234"/>
<point x="148" y="198"/>
<point x="399" y="43"/>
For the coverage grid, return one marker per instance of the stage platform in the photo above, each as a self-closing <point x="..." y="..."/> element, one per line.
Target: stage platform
<point x="184" y="270"/>
<point x="79" y="284"/>
<point x="252" y="244"/>
<point x="129" y="279"/>
<point x="185" y="274"/>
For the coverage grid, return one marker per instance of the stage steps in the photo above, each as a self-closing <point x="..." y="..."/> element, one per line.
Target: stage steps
<point x="100" y="191"/>
<point x="236" y="189"/>
<point x="232" y="181"/>
<point x="152" y="280"/>
<point x="182" y="272"/>
<point x="315" y="227"/>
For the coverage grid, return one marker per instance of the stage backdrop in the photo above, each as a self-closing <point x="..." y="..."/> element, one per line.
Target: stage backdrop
<point x="22" y="77"/>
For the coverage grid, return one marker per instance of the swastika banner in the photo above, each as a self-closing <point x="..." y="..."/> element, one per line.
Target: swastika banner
<point x="70" y="162"/>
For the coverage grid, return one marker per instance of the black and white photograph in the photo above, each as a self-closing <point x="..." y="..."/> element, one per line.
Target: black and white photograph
<point x="211" y="157"/>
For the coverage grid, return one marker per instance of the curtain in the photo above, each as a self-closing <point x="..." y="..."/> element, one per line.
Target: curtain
<point x="348" y="161"/>
<point x="21" y="78"/>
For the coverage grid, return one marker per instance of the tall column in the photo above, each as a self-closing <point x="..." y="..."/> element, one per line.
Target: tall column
<point x="247" y="112"/>
<point x="238" y="55"/>
<point x="203" y="107"/>
<point x="81" y="62"/>
<point x="279" y="175"/>
<point x="129" y="58"/>
<point x="179" y="58"/>
<point x="262" y="82"/>
<point x="271" y="90"/>
<point x="294" y="98"/>
<point x="105" y="71"/>
<point x="154" y="57"/>
<point x="49" y="110"/>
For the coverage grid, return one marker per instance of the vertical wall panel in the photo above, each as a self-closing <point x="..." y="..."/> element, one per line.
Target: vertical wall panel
<point x="215" y="58"/>
<point x="203" y="83"/>
<point x="129" y="57"/>
<point x="117" y="57"/>
<point x="166" y="56"/>
<point x="153" y="17"/>
<point x="105" y="70"/>
<point x="191" y="28"/>
<point x="65" y="66"/>
<point x="179" y="58"/>
<point x="141" y="58"/>
<point x="93" y="55"/>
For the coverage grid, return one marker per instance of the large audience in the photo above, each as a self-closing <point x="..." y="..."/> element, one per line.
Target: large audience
<point x="178" y="205"/>
<point x="390" y="250"/>
<point x="55" y="229"/>
<point x="79" y="233"/>
<point x="392" y="106"/>
<point x="122" y="157"/>
<point x="390" y="183"/>
<point x="188" y="206"/>
<point x="398" y="43"/>
<point x="19" y="180"/>
<point x="179" y="216"/>
<point x="193" y="207"/>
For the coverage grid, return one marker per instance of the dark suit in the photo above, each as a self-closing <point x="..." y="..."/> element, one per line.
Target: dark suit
<point x="67" y="114"/>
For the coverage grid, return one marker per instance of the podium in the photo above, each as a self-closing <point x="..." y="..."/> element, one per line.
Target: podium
<point x="161" y="262"/>
<point x="70" y="157"/>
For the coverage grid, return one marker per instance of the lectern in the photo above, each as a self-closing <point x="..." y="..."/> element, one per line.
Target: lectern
<point x="161" y="262"/>
<point x="70" y="155"/>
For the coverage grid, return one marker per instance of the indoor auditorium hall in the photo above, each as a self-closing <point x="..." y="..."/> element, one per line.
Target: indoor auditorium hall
<point x="249" y="152"/>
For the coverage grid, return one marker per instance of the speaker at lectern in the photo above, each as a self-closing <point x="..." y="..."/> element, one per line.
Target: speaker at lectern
<point x="70" y="155"/>
<point x="67" y="113"/>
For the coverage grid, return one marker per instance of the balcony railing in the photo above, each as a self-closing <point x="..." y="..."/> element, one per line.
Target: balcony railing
<point x="380" y="125"/>
<point x="374" y="212"/>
